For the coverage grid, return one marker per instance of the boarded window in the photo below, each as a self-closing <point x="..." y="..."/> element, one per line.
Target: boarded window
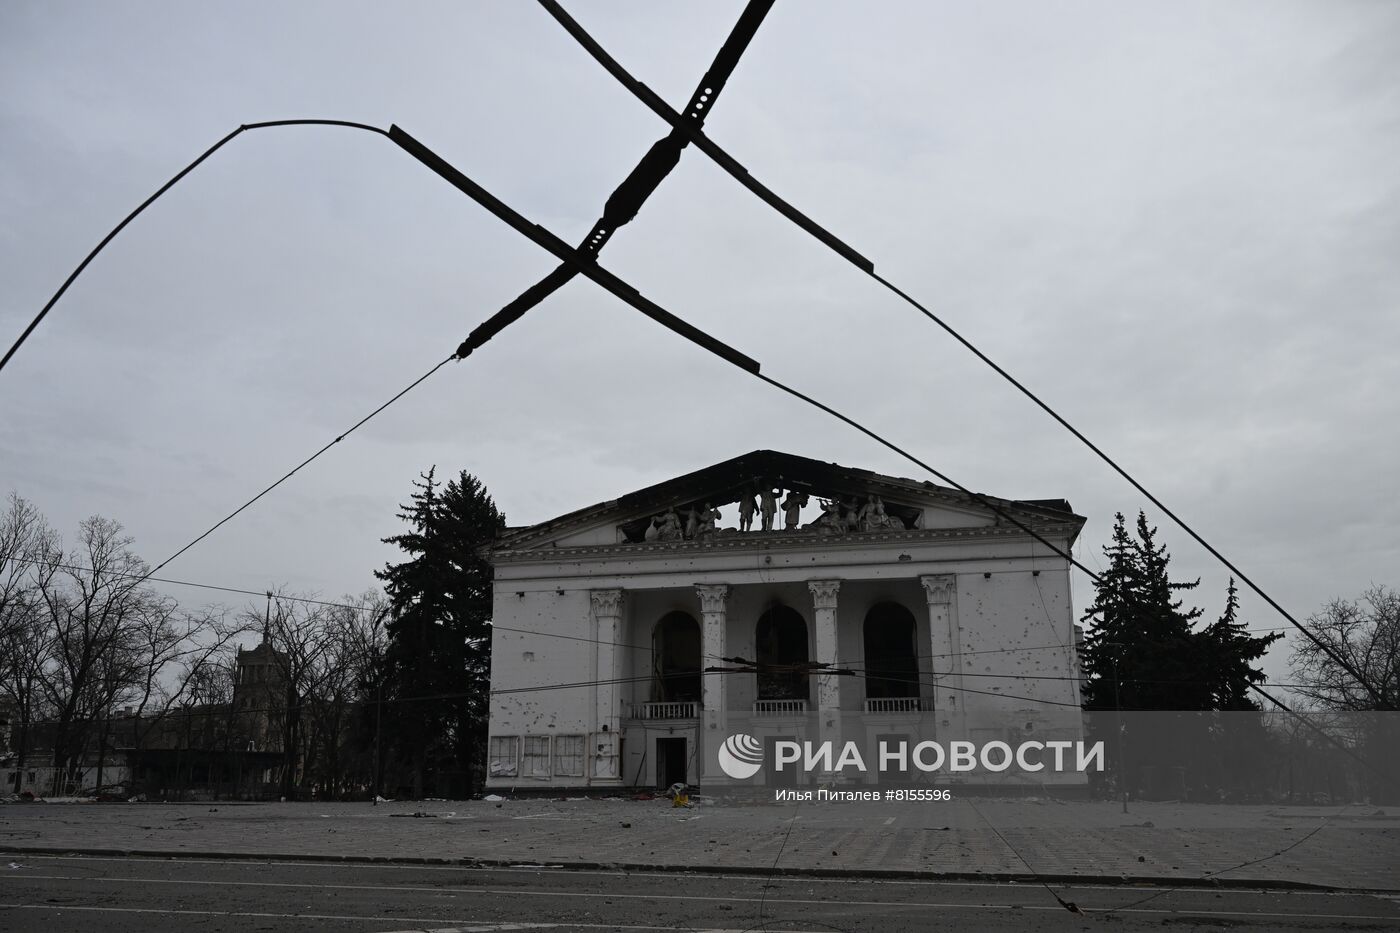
<point x="537" y="756"/>
<point x="505" y="756"/>
<point x="568" y="755"/>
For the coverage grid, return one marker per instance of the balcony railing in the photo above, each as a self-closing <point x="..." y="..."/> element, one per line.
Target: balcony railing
<point x="779" y="707"/>
<point x="688" y="709"/>
<point x="899" y="705"/>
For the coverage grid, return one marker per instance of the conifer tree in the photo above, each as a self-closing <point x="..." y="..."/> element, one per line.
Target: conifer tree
<point x="1229" y="650"/>
<point x="436" y="669"/>
<point x="1143" y="651"/>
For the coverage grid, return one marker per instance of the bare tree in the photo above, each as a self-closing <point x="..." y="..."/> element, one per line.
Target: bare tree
<point x="1366" y="634"/>
<point x="25" y="541"/>
<point x="296" y="629"/>
<point x="176" y="663"/>
<point x="95" y="608"/>
<point x="324" y="654"/>
<point x="353" y="634"/>
<point x="29" y="558"/>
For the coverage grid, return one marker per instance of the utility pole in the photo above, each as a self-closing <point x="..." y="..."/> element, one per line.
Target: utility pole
<point x="1122" y="762"/>
<point x="378" y="712"/>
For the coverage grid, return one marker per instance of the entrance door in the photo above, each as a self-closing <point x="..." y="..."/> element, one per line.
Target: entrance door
<point x="671" y="761"/>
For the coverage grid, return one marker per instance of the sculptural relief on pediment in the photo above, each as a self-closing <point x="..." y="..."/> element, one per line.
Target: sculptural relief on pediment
<point x="769" y="507"/>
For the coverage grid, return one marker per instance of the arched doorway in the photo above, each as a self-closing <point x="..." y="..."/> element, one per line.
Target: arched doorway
<point x="891" y="653"/>
<point x="781" y="641"/>
<point x="675" y="659"/>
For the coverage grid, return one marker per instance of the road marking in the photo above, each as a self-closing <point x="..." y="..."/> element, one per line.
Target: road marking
<point x="429" y="925"/>
<point x="486" y="928"/>
<point x="796" y="901"/>
<point x="755" y="874"/>
<point x="889" y="821"/>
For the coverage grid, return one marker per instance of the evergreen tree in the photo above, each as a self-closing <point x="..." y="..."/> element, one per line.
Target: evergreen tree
<point x="1229" y="649"/>
<point x="1143" y="651"/>
<point x="436" y="671"/>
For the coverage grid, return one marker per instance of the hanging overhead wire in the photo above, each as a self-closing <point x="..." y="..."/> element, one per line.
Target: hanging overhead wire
<point x="294" y="470"/>
<point x="132" y="216"/>
<point x="307" y="600"/>
<point x="78" y="568"/>
<point x="266" y="124"/>
<point x="740" y="174"/>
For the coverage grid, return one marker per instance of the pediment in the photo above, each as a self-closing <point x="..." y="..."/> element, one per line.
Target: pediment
<point x="771" y="493"/>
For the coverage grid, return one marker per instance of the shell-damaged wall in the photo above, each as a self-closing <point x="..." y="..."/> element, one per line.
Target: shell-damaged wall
<point x="531" y="673"/>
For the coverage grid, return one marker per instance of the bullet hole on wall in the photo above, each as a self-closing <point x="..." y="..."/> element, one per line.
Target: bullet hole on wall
<point x="528" y="655"/>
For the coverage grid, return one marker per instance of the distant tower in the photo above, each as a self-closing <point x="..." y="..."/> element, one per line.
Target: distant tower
<point x="259" y="692"/>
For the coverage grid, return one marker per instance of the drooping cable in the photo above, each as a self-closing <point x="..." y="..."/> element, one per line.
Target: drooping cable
<point x="160" y="191"/>
<point x="740" y="174"/>
<point x="294" y="470"/>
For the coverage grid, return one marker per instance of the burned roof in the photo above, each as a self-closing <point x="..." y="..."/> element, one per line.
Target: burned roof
<point x="725" y="482"/>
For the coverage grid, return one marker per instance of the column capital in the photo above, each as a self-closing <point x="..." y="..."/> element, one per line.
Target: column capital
<point x="712" y="596"/>
<point x="606" y="603"/>
<point x="824" y="593"/>
<point x="938" y="588"/>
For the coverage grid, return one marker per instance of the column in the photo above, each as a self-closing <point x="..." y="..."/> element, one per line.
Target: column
<point x="606" y="742"/>
<point x="946" y="648"/>
<point x="713" y="619"/>
<point x="824" y="602"/>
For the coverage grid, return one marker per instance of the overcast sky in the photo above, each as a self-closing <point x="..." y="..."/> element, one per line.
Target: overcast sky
<point x="1178" y="222"/>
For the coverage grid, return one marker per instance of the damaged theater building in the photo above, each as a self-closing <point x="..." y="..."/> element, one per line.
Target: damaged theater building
<point x="774" y="595"/>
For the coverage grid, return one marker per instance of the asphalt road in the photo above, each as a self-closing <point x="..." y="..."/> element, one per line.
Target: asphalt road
<point x="130" y="894"/>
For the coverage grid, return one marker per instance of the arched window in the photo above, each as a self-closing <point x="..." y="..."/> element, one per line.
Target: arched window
<point x="675" y="659"/>
<point x="891" y="655"/>
<point x="781" y="639"/>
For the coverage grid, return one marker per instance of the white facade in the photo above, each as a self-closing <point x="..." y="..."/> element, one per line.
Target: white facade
<point x="625" y="646"/>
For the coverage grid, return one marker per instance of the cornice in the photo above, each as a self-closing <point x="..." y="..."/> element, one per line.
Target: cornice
<point x="766" y="542"/>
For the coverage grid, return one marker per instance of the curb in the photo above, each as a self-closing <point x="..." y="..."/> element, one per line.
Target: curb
<point x="874" y="874"/>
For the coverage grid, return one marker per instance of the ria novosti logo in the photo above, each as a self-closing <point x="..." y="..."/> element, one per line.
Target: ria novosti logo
<point x="741" y="756"/>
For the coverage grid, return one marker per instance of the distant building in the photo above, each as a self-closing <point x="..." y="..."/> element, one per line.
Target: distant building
<point x="192" y="749"/>
<point x="631" y="636"/>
